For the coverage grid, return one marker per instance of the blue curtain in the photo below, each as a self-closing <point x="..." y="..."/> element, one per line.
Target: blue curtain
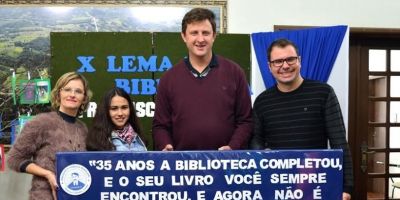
<point x="318" y="48"/>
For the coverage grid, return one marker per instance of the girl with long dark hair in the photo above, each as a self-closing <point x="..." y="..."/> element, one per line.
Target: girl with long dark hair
<point x="115" y="126"/>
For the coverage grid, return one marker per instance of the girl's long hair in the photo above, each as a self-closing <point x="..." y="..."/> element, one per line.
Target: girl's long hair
<point x="99" y="136"/>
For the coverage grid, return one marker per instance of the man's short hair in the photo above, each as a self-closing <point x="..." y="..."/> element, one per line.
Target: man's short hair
<point x="197" y="15"/>
<point x="281" y="43"/>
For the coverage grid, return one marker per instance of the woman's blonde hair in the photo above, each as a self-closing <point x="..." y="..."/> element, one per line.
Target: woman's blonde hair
<point x="62" y="82"/>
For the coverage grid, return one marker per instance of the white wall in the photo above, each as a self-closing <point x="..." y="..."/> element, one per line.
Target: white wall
<point x="248" y="16"/>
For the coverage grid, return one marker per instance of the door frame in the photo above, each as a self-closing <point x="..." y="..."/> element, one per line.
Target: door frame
<point x="360" y="40"/>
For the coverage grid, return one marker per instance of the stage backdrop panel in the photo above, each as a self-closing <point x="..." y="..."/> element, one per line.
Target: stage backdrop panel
<point x="133" y="61"/>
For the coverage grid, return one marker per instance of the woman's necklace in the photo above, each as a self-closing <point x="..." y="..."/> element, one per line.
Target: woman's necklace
<point x="73" y="139"/>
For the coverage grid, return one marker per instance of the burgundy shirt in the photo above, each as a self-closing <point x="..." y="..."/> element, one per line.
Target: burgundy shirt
<point x="203" y="113"/>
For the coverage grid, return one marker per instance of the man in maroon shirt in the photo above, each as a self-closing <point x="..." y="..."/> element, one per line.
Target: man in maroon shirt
<point x="203" y="102"/>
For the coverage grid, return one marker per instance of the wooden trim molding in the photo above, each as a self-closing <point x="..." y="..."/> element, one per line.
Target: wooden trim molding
<point x="365" y="32"/>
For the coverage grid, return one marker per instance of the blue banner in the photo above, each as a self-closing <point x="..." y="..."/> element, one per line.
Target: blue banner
<point x="205" y="175"/>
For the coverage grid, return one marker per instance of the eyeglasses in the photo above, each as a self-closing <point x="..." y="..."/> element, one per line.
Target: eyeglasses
<point x="289" y="60"/>
<point x="73" y="91"/>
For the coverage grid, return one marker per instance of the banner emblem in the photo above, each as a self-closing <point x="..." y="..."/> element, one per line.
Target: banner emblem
<point x="75" y="179"/>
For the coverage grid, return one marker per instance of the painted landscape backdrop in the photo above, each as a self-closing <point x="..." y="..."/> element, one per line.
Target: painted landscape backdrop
<point x="25" y="42"/>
